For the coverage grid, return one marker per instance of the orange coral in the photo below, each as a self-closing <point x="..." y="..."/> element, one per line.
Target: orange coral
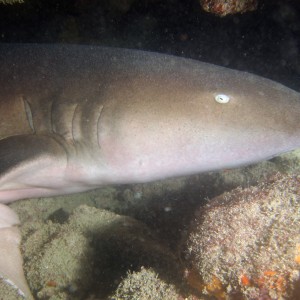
<point x="297" y="257"/>
<point x="213" y="288"/>
<point x="223" y="8"/>
<point x="273" y="280"/>
<point x="270" y="273"/>
<point x="51" y="283"/>
<point x="245" y="280"/>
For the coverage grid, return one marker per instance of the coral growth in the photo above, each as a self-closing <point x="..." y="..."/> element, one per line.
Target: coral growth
<point x="87" y="255"/>
<point x="225" y="7"/>
<point x="144" y="284"/>
<point x="247" y="241"/>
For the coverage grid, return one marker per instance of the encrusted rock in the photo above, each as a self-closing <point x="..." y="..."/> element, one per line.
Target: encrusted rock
<point x="226" y="7"/>
<point x="247" y="242"/>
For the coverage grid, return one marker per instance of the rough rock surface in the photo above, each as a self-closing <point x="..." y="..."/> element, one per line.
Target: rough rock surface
<point x="247" y="242"/>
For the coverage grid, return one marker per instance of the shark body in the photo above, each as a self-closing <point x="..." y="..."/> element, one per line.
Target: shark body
<point x="74" y="118"/>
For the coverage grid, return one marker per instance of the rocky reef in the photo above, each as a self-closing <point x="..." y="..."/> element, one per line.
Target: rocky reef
<point x="245" y="244"/>
<point x="88" y="255"/>
<point x="226" y="7"/>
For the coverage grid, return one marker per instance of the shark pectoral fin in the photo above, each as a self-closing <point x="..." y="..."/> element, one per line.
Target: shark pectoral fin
<point x="23" y="149"/>
<point x="11" y="262"/>
<point x="30" y="163"/>
<point x="25" y="163"/>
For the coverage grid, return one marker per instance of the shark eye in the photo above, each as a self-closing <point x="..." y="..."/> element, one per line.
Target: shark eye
<point x="222" y="98"/>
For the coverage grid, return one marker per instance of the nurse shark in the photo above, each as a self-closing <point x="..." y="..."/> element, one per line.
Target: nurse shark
<point x="74" y="118"/>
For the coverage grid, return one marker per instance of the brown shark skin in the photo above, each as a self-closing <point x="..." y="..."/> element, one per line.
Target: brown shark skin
<point x="78" y="117"/>
<point x="75" y="118"/>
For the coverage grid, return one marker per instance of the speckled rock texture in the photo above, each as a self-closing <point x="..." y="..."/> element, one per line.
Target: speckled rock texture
<point x="89" y="254"/>
<point x="246" y="243"/>
<point x="226" y="7"/>
<point x="144" y="284"/>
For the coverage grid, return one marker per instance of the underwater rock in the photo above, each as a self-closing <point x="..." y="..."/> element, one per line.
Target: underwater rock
<point x="246" y="243"/>
<point x="145" y="284"/>
<point x="89" y="254"/>
<point x="11" y="1"/>
<point x="226" y="7"/>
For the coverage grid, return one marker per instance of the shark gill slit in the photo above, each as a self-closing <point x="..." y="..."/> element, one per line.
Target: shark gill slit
<point x="28" y="112"/>
<point x="52" y="124"/>
<point x="73" y="123"/>
<point x="97" y="124"/>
